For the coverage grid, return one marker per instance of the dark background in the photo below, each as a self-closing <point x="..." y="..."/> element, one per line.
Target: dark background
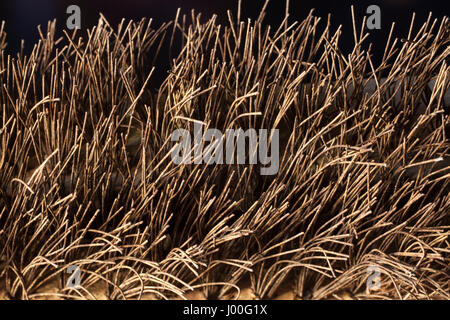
<point x="23" y="16"/>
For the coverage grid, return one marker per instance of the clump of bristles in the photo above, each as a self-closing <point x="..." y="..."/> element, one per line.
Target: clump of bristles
<point x="86" y="177"/>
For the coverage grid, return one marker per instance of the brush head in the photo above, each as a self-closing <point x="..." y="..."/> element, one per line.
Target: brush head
<point x="87" y="180"/>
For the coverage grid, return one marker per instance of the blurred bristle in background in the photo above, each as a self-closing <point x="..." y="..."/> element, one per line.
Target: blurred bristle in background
<point x="86" y="177"/>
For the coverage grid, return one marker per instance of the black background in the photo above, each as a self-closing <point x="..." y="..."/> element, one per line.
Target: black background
<point x="174" y="309"/>
<point x="23" y="16"/>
